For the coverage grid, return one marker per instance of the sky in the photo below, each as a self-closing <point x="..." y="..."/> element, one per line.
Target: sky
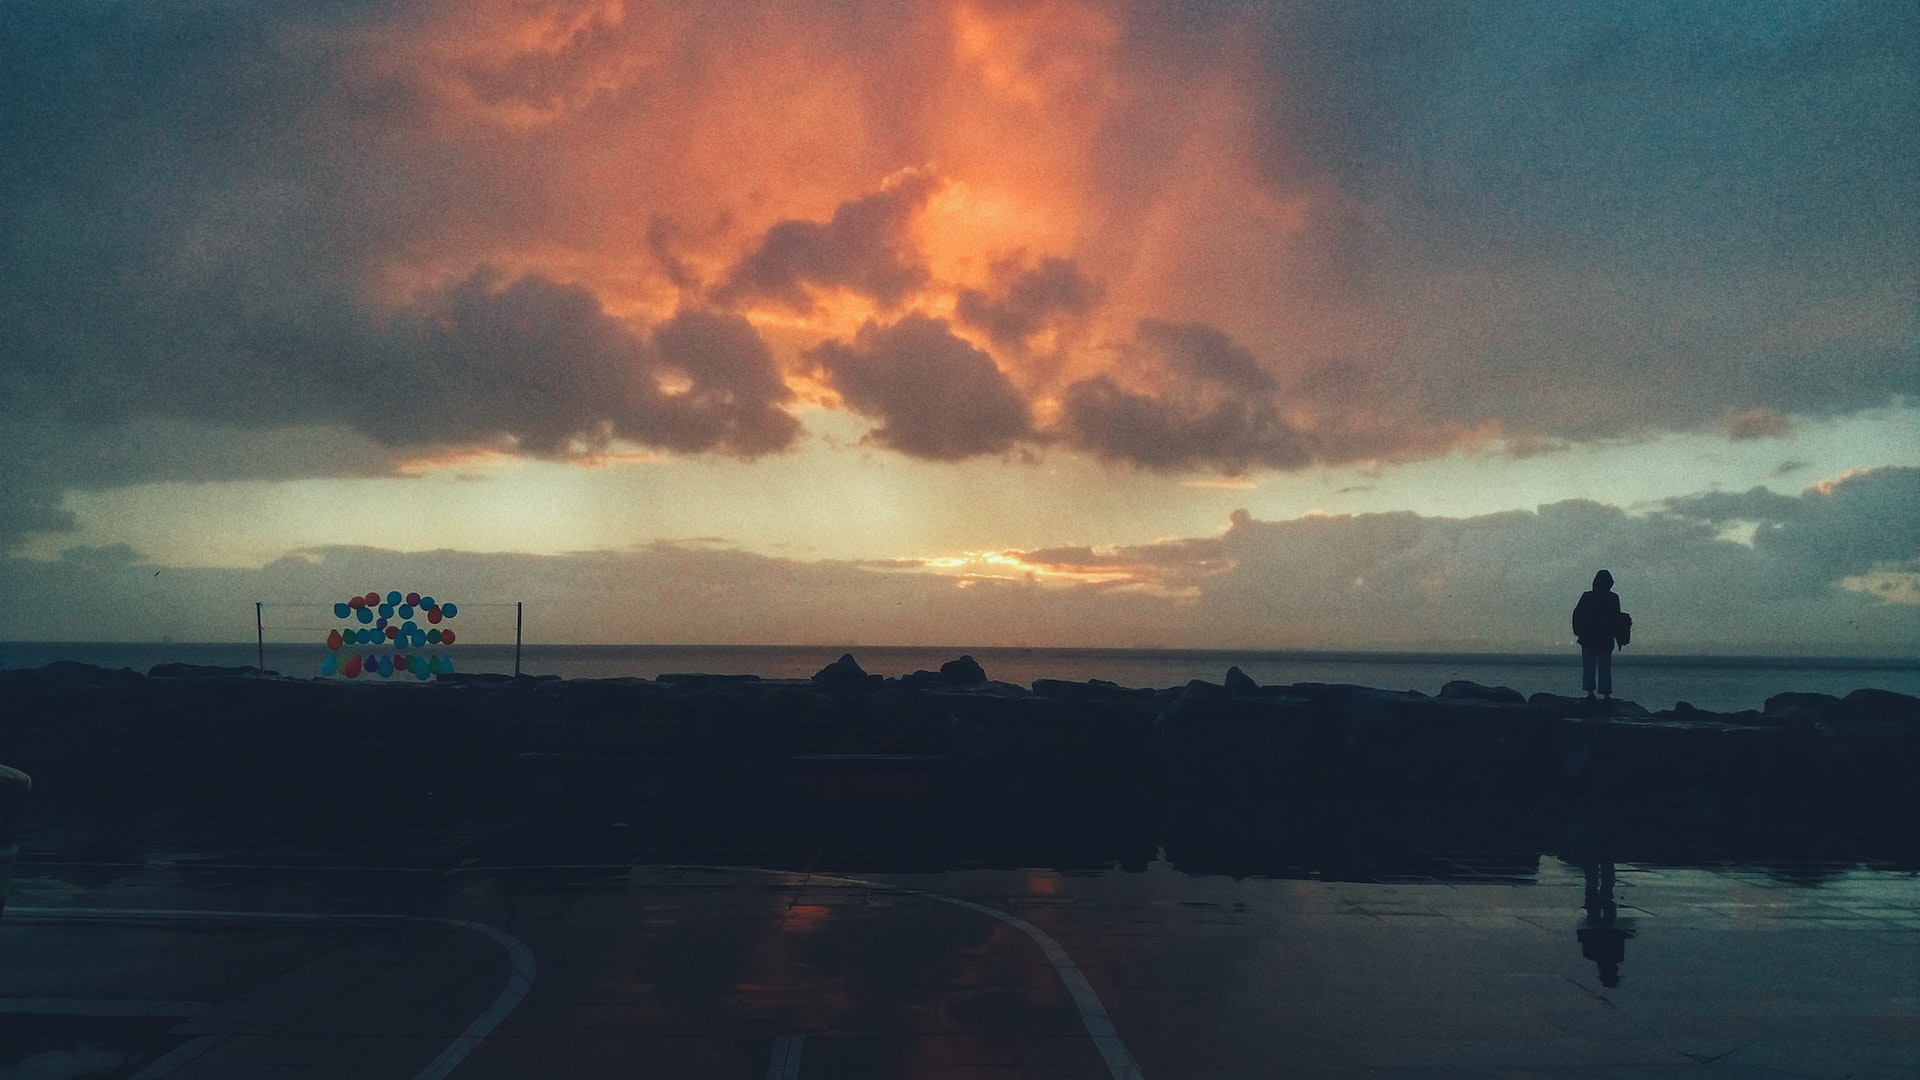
<point x="1265" y="325"/>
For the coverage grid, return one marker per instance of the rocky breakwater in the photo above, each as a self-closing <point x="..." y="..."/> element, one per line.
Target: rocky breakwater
<point x="1492" y="742"/>
<point x="953" y="737"/>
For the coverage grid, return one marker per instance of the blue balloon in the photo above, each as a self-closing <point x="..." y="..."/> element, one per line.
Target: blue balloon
<point x="448" y="611"/>
<point x="418" y="666"/>
<point x="386" y="611"/>
<point x="365" y="615"/>
<point x="446" y="665"/>
<point x="425" y="602"/>
<point x="341" y="611"/>
<point x="393" y="597"/>
<point x="386" y="665"/>
<point x="329" y="663"/>
<point x="406" y="611"/>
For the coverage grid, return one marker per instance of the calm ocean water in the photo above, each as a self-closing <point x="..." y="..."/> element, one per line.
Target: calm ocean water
<point x="1657" y="682"/>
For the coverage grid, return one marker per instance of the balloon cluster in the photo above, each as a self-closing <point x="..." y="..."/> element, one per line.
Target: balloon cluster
<point x="393" y="620"/>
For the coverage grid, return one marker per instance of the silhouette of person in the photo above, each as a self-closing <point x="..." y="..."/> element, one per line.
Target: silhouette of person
<point x="1595" y="620"/>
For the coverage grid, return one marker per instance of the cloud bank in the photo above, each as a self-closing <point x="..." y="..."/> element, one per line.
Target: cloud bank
<point x="1819" y="578"/>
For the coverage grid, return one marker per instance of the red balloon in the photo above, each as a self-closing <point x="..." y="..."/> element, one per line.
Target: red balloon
<point x="353" y="666"/>
<point x="333" y="640"/>
<point x="392" y="632"/>
<point x="433" y="614"/>
<point x="399" y="662"/>
<point x="413" y="598"/>
<point x="446" y="637"/>
<point x="357" y="602"/>
<point x="373" y="599"/>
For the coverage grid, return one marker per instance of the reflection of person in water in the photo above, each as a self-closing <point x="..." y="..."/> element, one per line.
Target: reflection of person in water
<point x="1603" y="937"/>
<point x="1596" y="619"/>
<point x="1603" y="940"/>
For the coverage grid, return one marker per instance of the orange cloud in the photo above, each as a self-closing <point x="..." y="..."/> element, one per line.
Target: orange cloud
<point x="1034" y="173"/>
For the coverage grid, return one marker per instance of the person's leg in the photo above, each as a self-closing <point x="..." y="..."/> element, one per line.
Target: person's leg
<point x="1605" y="664"/>
<point x="1588" y="658"/>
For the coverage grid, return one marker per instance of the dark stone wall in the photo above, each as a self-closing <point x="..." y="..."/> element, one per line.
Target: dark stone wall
<point x="93" y="734"/>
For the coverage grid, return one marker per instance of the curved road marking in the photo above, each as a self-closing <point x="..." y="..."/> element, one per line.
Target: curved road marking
<point x="1100" y="1027"/>
<point x="518" y="983"/>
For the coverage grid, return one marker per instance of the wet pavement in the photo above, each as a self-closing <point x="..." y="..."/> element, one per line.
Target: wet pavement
<point x="210" y="964"/>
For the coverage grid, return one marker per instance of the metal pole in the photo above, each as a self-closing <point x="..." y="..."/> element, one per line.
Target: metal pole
<point x="519" y="610"/>
<point x="259" y="637"/>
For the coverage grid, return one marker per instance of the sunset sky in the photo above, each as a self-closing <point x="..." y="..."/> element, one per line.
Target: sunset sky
<point x="1266" y="325"/>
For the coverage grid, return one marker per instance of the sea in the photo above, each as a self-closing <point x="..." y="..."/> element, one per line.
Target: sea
<point x="1714" y="683"/>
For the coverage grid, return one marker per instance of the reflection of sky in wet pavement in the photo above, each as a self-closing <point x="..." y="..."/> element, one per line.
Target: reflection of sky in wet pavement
<point x="1810" y="968"/>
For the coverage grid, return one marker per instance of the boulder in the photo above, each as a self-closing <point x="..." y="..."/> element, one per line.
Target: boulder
<point x="1880" y="705"/>
<point x="1091" y="690"/>
<point x="1240" y="684"/>
<point x="1800" y="707"/>
<point x="844" y="670"/>
<point x="1465" y="690"/>
<point x="965" y="671"/>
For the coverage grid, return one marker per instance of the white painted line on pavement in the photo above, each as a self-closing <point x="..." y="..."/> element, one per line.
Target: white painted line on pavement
<point x="786" y="1058"/>
<point x="1093" y="1013"/>
<point x="518" y="983"/>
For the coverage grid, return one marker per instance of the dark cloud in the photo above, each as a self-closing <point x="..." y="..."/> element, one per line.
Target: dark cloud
<point x="1508" y="581"/>
<point x="1028" y="300"/>
<point x="864" y="247"/>
<point x="1725" y="507"/>
<point x="1762" y="423"/>
<point x="1215" y="408"/>
<point x="1204" y="355"/>
<point x="736" y="387"/>
<point x="543" y="364"/>
<point x="1596" y="220"/>
<point x="1227" y="435"/>
<point x="936" y="396"/>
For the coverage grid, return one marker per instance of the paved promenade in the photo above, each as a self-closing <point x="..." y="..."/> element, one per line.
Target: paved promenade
<point x="204" y="968"/>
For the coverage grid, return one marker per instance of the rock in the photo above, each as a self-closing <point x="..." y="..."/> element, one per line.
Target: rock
<point x="844" y="670"/>
<point x="1240" y="684"/>
<point x="74" y="672"/>
<point x="1801" y="706"/>
<point x="1091" y="690"/>
<point x="1203" y="688"/>
<point x="1880" y="705"/>
<point x="202" y="671"/>
<point x="1465" y="690"/>
<point x="965" y="671"/>
<point x="1686" y="710"/>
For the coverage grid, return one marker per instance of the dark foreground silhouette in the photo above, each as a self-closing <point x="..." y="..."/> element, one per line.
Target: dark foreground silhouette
<point x="945" y="766"/>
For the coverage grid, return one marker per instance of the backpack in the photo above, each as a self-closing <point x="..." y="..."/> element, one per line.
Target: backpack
<point x="1623" y="630"/>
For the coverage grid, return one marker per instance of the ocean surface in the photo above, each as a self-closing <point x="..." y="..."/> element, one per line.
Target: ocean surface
<point x="1657" y="682"/>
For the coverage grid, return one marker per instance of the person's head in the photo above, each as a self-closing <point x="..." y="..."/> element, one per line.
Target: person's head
<point x="1603" y="582"/>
